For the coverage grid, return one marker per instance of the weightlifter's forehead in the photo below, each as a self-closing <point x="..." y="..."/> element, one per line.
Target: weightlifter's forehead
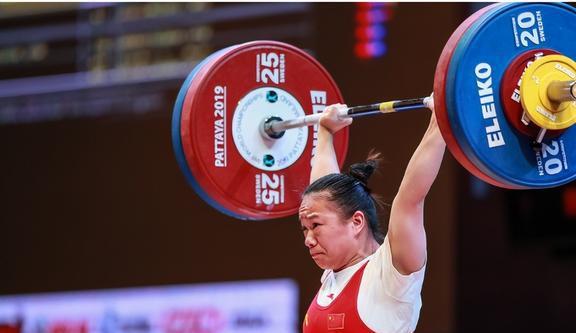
<point x="305" y="207"/>
<point x="306" y="211"/>
<point x="314" y="205"/>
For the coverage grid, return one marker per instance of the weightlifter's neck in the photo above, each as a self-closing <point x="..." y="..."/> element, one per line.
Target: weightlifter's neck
<point x="368" y="248"/>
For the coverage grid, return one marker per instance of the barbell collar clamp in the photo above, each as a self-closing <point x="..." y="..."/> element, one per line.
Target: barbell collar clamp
<point x="266" y="128"/>
<point x="562" y="91"/>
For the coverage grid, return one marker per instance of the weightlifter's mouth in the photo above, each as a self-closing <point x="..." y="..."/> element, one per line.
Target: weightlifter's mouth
<point x="315" y="254"/>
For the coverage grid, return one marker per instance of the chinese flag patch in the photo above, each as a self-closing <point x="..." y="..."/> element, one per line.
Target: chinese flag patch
<point x="336" y="321"/>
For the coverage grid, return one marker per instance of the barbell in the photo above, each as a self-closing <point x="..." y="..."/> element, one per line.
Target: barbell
<point x="505" y="107"/>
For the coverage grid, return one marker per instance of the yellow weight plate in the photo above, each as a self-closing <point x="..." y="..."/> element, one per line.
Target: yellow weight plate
<point x="543" y="111"/>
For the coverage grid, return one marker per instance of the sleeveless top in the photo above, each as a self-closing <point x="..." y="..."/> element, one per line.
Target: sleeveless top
<point x="341" y="315"/>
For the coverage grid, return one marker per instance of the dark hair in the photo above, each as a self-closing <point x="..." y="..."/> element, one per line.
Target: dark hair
<point x="351" y="193"/>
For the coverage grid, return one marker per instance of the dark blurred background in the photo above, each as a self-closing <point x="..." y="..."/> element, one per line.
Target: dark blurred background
<point x="93" y="199"/>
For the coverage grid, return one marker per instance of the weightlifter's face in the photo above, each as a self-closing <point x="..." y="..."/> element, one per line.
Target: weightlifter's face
<point x="327" y="236"/>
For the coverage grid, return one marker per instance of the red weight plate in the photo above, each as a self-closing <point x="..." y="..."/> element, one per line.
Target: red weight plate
<point x="510" y="93"/>
<point x="440" y="78"/>
<point x="240" y="171"/>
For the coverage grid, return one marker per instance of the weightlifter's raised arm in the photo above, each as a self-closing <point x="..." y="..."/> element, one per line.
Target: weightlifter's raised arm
<point x="406" y="227"/>
<point x="325" y="161"/>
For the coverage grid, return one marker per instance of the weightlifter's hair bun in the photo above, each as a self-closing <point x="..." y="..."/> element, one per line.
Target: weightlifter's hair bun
<point x="363" y="170"/>
<point x="350" y="193"/>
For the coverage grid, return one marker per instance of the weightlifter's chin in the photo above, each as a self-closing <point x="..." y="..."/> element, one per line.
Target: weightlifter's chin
<point x="320" y="260"/>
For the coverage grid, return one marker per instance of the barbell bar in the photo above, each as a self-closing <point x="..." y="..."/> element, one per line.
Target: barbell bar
<point x="274" y="127"/>
<point x="557" y="91"/>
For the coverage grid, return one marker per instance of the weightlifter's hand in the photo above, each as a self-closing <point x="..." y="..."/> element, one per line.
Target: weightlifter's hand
<point x="331" y="120"/>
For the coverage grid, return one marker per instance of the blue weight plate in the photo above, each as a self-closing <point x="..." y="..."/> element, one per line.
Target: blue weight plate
<point x="177" y="134"/>
<point x="440" y="79"/>
<point x="473" y="99"/>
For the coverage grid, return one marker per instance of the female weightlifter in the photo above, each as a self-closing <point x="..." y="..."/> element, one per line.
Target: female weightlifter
<point x="371" y="282"/>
